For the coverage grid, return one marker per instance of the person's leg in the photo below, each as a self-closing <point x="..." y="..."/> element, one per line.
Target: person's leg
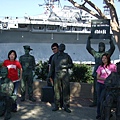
<point x="23" y="88"/>
<point x="16" y="85"/>
<point x="94" y="93"/>
<point x="100" y="88"/>
<point x="14" y="105"/>
<point x="66" y="92"/>
<point x="57" y="90"/>
<point x="30" y="87"/>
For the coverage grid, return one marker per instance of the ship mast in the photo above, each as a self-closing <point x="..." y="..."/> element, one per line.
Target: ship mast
<point x="50" y="4"/>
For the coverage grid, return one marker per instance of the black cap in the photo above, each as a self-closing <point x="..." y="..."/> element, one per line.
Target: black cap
<point x="27" y="47"/>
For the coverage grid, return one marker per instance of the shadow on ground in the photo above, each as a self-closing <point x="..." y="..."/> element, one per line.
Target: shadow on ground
<point x="43" y="111"/>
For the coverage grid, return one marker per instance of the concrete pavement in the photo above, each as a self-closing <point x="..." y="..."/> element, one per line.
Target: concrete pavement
<point x="43" y="111"/>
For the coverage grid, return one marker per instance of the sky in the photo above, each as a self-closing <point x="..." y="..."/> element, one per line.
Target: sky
<point x="19" y="8"/>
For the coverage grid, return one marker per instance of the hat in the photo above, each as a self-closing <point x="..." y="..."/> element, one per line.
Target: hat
<point x="27" y="47"/>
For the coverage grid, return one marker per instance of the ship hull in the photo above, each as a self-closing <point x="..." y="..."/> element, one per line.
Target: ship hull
<point x="41" y="44"/>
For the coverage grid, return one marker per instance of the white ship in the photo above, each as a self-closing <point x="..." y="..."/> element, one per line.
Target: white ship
<point x="68" y="25"/>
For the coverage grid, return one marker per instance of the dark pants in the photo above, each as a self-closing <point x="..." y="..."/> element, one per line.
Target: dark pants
<point x="112" y="99"/>
<point x="100" y="94"/>
<point x="62" y="89"/>
<point x="95" y="90"/>
<point x="16" y="85"/>
<point x="8" y="102"/>
<point x="27" y="81"/>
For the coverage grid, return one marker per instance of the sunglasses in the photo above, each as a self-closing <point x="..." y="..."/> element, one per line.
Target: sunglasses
<point x="54" y="48"/>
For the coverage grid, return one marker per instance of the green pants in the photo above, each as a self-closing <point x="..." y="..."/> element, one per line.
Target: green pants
<point x="62" y="89"/>
<point x="27" y="82"/>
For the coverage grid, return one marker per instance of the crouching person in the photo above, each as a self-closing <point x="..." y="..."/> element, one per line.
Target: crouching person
<point x="6" y="92"/>
<point x="112" y="84"/>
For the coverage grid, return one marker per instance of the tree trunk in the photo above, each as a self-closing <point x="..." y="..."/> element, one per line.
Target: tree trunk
<point x="117" y="38"/>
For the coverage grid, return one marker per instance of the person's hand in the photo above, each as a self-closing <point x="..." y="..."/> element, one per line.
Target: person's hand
<point x="89" y="37"/>
<point x="20" y="78"/>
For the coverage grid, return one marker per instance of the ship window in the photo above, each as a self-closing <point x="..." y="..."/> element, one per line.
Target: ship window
<point x="65" y="28"/>
<point x="62" y="28"/>
<point x="74" y="28"/>
<point x="88" y="29"/>
<point x="51" y="27"/>
<point x="38" y="27"/>
<point x="78" y="28"/>
<point x="22" y="25"/>
<point x="68" y="27"/>
<point x="41" y="27"/>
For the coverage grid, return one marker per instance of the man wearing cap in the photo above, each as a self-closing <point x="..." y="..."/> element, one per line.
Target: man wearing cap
<point x="28" y="65"/>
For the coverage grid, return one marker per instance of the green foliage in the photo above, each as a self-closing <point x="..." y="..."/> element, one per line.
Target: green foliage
<point x="41" y="70"/>
<point x="81" y="73"/>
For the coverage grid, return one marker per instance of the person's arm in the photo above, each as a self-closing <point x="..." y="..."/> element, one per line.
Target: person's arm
<point x="20" y="70"/>
<point x="99" y="74"/>
<point x="88" y="46"/>
<point x="52" y="69"/>
<point x="49" y="62"/>
<point x="112" y="46"/>
<point x="20" y="60"/>
<point x="70" y="63"/>
<point x="33" y="64"/>
<point x="100" y="78"/>
<point x="20" y="73"/>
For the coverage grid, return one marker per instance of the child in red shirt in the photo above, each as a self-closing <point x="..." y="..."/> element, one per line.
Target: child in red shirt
<point x="14" y="68"/>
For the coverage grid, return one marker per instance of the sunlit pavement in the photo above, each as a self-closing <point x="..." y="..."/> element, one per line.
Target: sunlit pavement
<point x="43" y="111"/>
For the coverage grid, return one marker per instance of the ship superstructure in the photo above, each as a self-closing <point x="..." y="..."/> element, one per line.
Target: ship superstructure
<point x="68" y="25"/>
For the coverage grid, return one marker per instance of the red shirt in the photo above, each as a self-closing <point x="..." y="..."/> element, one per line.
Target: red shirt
<point x="13" y="67"/>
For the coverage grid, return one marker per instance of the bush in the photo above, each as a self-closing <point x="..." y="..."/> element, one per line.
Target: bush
<point x="41" y="70"/>
<point x="81" y="73"/>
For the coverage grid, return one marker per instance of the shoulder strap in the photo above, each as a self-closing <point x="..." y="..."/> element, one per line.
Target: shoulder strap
<point x="105" y="70"/>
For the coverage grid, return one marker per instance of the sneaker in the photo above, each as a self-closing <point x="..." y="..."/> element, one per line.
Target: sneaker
<point x="67" y="110"/>
<point x="98" y="117"/>
<point x="55" y="109"/>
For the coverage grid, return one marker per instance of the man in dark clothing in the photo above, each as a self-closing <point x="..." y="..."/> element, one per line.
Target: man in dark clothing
<point x="60" y="65"/>
<point x="54" y="48"/>
<point x="28" y="65"/>
<point x="97" y="55"/>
